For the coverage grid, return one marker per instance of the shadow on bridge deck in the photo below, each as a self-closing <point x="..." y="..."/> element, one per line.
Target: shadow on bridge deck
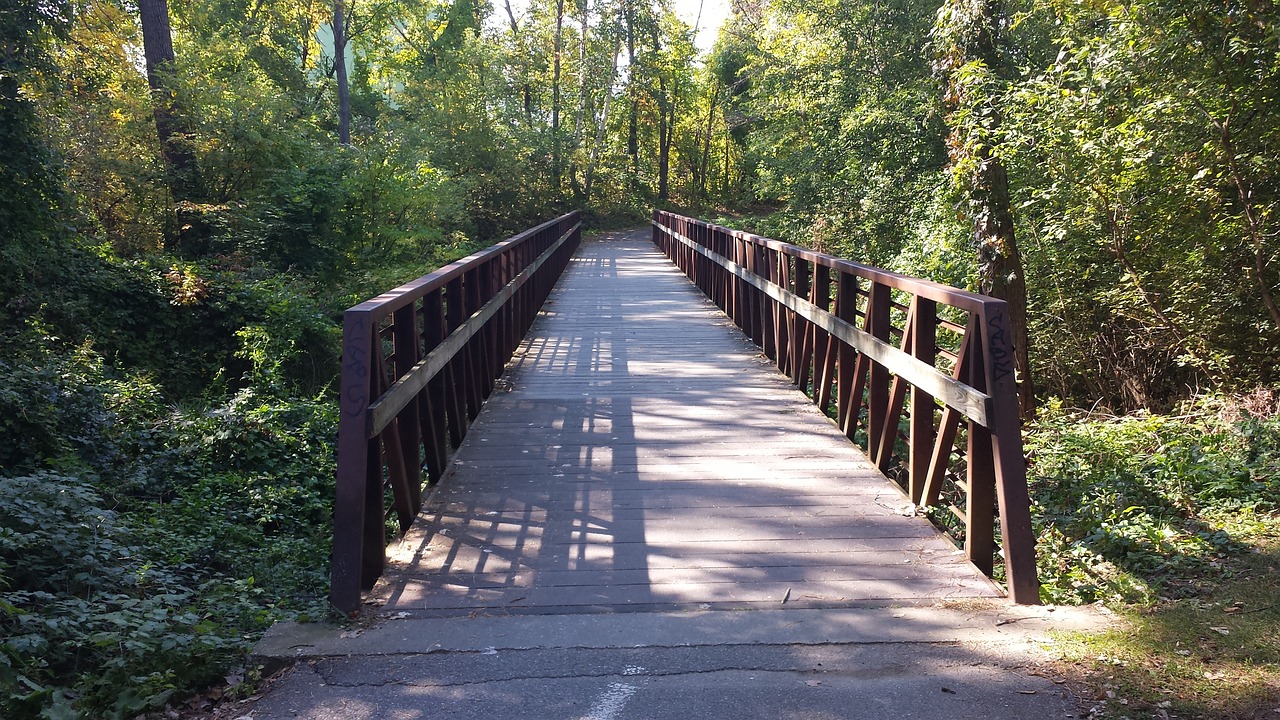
<point x="642" y="455"/>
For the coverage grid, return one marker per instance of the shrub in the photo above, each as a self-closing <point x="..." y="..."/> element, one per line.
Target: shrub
<point x="1135" y="507"/>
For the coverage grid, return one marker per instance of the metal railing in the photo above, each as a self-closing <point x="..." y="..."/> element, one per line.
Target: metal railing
<point x="920" y="374"/>
<point x="417" y="364"/>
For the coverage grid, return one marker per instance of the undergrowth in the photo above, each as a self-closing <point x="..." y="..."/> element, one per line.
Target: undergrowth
<point x="1173" y="521"/>
<point x="1139" y="508"/>
<point x="142" y="558"/>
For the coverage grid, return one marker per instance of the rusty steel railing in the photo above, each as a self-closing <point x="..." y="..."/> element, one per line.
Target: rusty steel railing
<point x="417" y="363"/>
<point x="856" y="339"/>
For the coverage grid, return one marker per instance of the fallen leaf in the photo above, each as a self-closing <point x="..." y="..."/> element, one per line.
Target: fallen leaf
<point x="948" y="691"/>
<point x="1221" y="630"/>
<point x="1027" y="692"/>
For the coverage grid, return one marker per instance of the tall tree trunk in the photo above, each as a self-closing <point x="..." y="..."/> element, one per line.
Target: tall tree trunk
<point x="969" y="34"/>
<point x="604" y="123"/>
<point x="157" y="49"/>
<point x="580" y="119"/>
<point x="525" y="90"/>
<point x="511" y="16"/>
<point x="340" y="71"/>
<point x="706" y="141"/>
<point x="665" y="120"/>
<point x="633" y="129"/>
<point x="582" y="76"/>
<point x="555" y="97"/>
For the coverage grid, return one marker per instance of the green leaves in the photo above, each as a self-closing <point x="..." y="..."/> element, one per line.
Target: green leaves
<point x="109" y="612"/>
<point x="1131" y="508"/>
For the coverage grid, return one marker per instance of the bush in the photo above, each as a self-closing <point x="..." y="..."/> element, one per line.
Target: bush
<point x="1137" y="507"/>
<point x="119" y="594"/>
<point x="89" y="620"/>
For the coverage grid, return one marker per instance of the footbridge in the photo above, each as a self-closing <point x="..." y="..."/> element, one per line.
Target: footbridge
<point x="686" y="417"/>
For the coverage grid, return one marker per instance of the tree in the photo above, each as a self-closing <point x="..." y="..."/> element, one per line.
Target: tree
<point x="340" y="71"/>
<point x="1144" y="214"/>
<point x="171" y="127"/>
<point x="557" y="56"/>
<point x="970" y="63"/>
<point x="29" y="174"/>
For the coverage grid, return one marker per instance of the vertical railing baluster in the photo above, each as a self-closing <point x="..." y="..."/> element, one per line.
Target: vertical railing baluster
<point x="435" y="422"/>
<point x="404" y="336"/>
<point x="848" y="360"/>
<point x="924" y="343"/>
<point x="980" y="480"/>
<point x="877" y="324"/>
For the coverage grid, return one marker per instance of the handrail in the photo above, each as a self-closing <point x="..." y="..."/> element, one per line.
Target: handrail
<point x="418" y="362"/>
<point x="782" y="297"/>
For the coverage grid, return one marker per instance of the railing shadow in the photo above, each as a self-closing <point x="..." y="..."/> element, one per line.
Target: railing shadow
<point x="622" y="471"/>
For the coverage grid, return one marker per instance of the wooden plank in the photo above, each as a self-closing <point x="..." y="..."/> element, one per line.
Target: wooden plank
<point x="473" y="560"/>
<point x="640" y="439"/>
<point x="420" y="595"/>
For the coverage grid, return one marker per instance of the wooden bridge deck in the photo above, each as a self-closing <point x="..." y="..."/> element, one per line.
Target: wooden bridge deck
<point x="641" y="454"/>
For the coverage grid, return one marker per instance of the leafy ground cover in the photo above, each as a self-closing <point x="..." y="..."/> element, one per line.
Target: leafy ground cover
<point x="141" y="560"/>
<point x="1172" y="522"/>
<point x="166" y="487"/>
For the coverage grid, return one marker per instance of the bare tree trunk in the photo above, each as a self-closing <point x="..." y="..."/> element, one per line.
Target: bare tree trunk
<point x="706" y="142"/>
<point x="340" y="71"/>
<point x="633" y="130"/>
<point x="604" y="122"/>
<point x="664" y="138"/>
<point x="580" y="119"/>
<point x="555" y="96"/>
<point x="526" y="91"/>
<point x="515" y="29"/>
<point x="582" y="76"/>
<point x="157" y="49"/>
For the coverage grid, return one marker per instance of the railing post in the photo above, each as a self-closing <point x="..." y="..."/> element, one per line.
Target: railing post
<point x="1009" y="464"/>
<point x="405" y="338"/>
<point x="924" y="342"/>
<point x="353" y="461"/>
<point x="824" y="361"/>
<point x="849" y="363"/>
<point x="980" y="480"/>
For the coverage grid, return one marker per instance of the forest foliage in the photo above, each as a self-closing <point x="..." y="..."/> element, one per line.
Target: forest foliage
<point x="182" y="227"/>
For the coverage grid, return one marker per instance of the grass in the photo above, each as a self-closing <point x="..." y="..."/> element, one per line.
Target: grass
<point x="1215" y="656"/>
<point x="1172" y="522"/>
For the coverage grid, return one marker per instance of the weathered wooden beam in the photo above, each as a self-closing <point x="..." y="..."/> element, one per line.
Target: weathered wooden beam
<point x="410" y="384"/>
<point x="974" y="404"/>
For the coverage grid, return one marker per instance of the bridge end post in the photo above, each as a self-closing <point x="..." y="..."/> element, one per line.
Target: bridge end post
<point x="353" y="462"/>
<point x="1018" y="539"/>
